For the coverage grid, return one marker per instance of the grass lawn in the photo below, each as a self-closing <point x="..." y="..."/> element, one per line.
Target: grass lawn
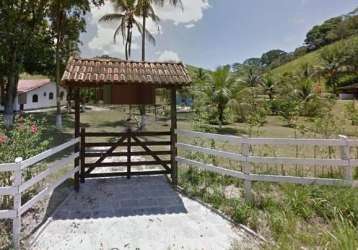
<point x="292" y="216"/>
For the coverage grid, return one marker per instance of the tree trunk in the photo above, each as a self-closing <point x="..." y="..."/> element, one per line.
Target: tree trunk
<point x="143" y="33"/>
<point x="221" y="115"/>
<point x="142" y="107"/>
<point x="58" y="79"/>
<point x="11" y="91"/>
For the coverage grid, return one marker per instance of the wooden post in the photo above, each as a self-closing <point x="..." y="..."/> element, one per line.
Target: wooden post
<point x="173" y="137"/>
<point x="77" y="134"/>
<point x="129" y="154"/>
<point x="345" y="155"/>
<point x="16" y="222"/>
<point x="245" y="148"/>
<point x="82" y="155"/>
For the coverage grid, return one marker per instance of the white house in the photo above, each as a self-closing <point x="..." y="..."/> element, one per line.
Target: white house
<point x="37" y="94"/>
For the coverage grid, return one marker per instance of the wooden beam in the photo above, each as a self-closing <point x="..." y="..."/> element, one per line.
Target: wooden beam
<point x="135" y="133"/>
<point x="82" y="155"/>
<point x="173" y="136"/>
<point x="129" y="156"/>
<point x="155" y="157"/>
<point x="77" y="134"/>
<point x="123" y="164"/>
<point x="125" y="144"/>
<point x="118" y="154"/>
<point x="133" y="173"/>
<point x="114" y="146"/>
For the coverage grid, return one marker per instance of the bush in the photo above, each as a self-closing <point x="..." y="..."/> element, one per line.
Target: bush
<point x="24" y="140"/>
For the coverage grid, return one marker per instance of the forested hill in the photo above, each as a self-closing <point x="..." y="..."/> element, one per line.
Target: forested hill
<point x="313" y="59"/>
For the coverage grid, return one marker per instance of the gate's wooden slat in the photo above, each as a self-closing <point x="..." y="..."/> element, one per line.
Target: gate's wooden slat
<point x="149" y="133"/>
<point x="109" y="151"/>
<point x="135" y="144"/>
<point x="124" y="164"/>
<point x="141" y="153"/>
<point x="139" y="173"/>
<point x="155" y="157"/>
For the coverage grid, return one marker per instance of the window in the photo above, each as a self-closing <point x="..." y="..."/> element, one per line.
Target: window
<point x="50" y="96"/>
<point x="62" y="94"/>
<point x="35" y="98"/>
<point x="45" y="94"/>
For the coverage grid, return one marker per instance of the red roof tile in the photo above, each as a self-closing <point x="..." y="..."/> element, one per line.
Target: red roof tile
<point x="24" y="86"/>
<point x="98" y="71"/>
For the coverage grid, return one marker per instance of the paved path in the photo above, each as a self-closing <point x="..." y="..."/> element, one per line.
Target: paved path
<point x="140" y="213"/>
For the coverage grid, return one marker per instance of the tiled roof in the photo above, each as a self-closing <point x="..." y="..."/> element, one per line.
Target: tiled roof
<point x="99" y="71"/>
<point x="24" y="86"/>
<point x="353" y="86"/>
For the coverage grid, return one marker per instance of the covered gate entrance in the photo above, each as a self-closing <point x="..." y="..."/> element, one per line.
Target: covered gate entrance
<point x="131" y="83"/>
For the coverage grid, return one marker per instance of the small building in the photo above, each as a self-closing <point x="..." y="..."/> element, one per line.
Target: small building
<point x="36" y="94"/>
<point x="348" y="92"/>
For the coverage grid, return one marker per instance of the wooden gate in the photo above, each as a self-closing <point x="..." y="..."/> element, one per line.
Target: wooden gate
<point x="125" y="145"/>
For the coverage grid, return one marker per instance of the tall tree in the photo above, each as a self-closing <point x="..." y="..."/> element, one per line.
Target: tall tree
<point x="20" y="22"/>
<point x="220" y="90"/>
<point x="67" y="22"/>
<point x="145" y="9"/>
<point x="332" y="65"/>
<point x="268" y="85"/>
<point x="126" y="11"/>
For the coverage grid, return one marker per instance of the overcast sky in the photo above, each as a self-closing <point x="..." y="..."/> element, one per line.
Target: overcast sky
<point x="208" y="33"/>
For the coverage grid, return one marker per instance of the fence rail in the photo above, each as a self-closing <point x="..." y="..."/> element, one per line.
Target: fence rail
<point x="19" y="186"/>
<point x="247" y="160"/>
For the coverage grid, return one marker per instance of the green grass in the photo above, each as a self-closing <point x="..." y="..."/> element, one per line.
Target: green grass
<point x="312" y="59"/>
<point x="288" y="216"/>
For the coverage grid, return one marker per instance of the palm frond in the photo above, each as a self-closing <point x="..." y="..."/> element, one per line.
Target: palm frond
<point x="111" y="17"/>
<point x="148" y="36"/>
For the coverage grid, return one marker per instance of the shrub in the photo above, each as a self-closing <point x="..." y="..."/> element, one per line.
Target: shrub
<point x="24" y="140"/>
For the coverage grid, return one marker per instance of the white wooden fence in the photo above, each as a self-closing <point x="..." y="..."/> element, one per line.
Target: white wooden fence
<point x="246" y="159"/>
<point x="18" y="186"/>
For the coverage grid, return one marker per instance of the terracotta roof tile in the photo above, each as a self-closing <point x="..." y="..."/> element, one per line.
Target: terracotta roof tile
<point x="24" y="86"/>
<point x="93" y="72"/>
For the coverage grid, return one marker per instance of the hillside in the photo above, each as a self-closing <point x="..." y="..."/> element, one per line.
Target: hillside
<point x="312" y="59"/>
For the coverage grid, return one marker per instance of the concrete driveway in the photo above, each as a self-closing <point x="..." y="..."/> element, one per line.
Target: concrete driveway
<point x="140" y="213"/>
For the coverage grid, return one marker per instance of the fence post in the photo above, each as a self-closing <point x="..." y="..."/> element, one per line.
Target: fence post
<point x="345" y="155"/>
<point x="129" y="141"/>
<point x="82" y="155"/>
<point x="16" y="222"/>
<point x="245" y="149"/>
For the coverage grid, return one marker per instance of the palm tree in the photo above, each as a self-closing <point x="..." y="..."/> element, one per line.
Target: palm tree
<point x="145" y="10"/>
<point x="332" y="65"/>
<point x="220" y="89"/>
<point x="126" y="13"/>
<point x="253" y="77"/>
<point x="305" y="91"/>
<point x="268" y="86"/>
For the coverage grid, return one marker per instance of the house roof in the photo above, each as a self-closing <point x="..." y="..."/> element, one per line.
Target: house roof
<point x="24" y="86"/>
<point x="82" y="72"/>
<point x="349" y="88"/>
